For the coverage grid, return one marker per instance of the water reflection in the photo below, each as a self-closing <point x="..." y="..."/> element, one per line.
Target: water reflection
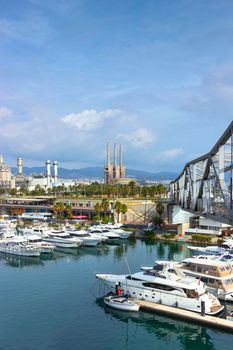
<point x="20" y="261"/>
<point x="75" y="254"/>
<point x="158" y="250"/>
<point x="189" y="336"/>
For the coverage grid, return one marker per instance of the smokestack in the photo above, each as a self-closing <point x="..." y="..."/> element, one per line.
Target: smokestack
<point x="1" y="159"/>
<point x="55" y="171"/>
<point x="108" y="154"/>
<point x="121" y="164"/>
<point x="48" y="171"/>
<point x="20" y="166"/>
<point x="115" y="156"/>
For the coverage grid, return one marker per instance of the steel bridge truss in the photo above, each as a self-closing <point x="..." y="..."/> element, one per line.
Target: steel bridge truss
<point x="205" y="186"/>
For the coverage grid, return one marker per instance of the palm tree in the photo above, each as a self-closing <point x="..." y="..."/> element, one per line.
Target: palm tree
<point x="68" y="209"/>
<point x="58" y="209"/>
<point x="105" y="205"/>
<point x="118" y="209"/>
<point x="124" y="208"/>
<point x="132" y="185"/>
<point x="161" y="190"/>
<point x="98" y="208"/>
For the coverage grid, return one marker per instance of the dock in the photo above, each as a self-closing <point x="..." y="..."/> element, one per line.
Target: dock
<point x="174" y="312"/>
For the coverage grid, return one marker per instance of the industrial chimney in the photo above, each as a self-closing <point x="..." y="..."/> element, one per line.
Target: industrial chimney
<point x="48" y="171"/>
<point x="121" y="164"/>
<point x="108" y="154"/>
<point x="115" y="156"/>
<point x="55" y="170"/>
<point x="20" y="166"/>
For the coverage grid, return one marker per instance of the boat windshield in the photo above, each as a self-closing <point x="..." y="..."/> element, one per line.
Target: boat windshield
<point x="155" y="270"/>
<point x="191" y="293"/>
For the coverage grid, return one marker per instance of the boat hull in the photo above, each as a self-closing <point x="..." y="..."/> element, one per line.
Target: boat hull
<point x="121" y="303"/>
<point x="62" y="244"/>
<point x="20" y="252"/>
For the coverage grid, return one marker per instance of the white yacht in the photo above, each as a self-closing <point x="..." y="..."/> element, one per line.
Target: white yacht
<point x="160" y="285"/>
<point x="37" y="241"/>
<point x="18" y="246"/>
<point x="62" y="239"/>
<point x="112" y="228"/>
<point x="216" y="274"/>
<point x="109" y="236"/>
<point x="87" y="239"/>
<point x="216" y="250"/>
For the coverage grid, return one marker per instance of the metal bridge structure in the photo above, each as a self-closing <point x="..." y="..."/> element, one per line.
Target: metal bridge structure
<point x="205" y="186"/>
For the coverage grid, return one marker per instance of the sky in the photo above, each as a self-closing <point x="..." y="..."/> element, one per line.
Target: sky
<point x="154" y="75"/>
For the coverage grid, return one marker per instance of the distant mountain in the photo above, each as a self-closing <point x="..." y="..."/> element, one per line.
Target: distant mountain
<point x="97" y="172"/>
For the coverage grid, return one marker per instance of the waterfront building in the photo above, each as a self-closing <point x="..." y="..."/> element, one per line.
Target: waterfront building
<point x="17" y="206"/>
<point x="189" y="223"/>
<point x="7" y="180"/>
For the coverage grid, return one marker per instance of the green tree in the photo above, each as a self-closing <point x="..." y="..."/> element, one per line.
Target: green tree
<point x="69" y="212"/>
<point x="160" y="209"/>
<point x="13" y="192"/>
<point x="98" y="209"/>
<point x="58" y="209"/>
<point x="105" y="205"/>
<point x="124" y="208"/>
<point x="118" y="209"/>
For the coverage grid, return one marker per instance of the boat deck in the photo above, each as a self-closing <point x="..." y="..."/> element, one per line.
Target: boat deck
<point x="207" y="320"/>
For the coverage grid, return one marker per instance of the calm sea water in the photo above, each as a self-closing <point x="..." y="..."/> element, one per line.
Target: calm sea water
<point x="47" y="304"/>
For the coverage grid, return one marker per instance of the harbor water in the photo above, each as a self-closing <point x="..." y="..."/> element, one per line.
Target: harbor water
<point x="55" y="303"/>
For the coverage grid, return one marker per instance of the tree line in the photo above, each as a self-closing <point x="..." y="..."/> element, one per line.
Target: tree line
<point x="94" y="190"/>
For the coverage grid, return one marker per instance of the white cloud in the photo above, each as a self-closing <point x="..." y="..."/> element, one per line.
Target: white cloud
<point x="90" y="119"/>
<point x="5" y="112"/>
<point x="171" y="154"/>
<point x="140" y="138"/>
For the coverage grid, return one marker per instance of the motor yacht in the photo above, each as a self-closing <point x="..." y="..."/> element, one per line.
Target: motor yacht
<point x="216" y="274"/>
<point x="18" y="246"/>
<point x="109" y="236"/>
<point x="160" y="285"/>
<point x="37" y="241"/>
<point x="112" y="228"/>
<point x="62" y="239"/>
<point x="87" y="239"/>
<point x="216" y="250"/>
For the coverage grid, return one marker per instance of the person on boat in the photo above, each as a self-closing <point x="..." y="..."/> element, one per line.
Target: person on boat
<point x="118" y="289"/>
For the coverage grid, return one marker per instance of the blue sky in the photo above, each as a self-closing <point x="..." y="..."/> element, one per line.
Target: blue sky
<point x="154" y="75"/>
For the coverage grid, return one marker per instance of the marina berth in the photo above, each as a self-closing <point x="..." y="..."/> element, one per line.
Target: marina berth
<point x="162" y="286"/>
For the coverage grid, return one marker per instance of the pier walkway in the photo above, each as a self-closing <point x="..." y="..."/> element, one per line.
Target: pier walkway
<point x="210" y="321"/>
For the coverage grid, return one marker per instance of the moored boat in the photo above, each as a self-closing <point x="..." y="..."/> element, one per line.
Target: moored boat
<point x="216" y="274"/>
<point x="121" y="303"/>
<point x="166" y="287"/>
<point x="18" y="247"/>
